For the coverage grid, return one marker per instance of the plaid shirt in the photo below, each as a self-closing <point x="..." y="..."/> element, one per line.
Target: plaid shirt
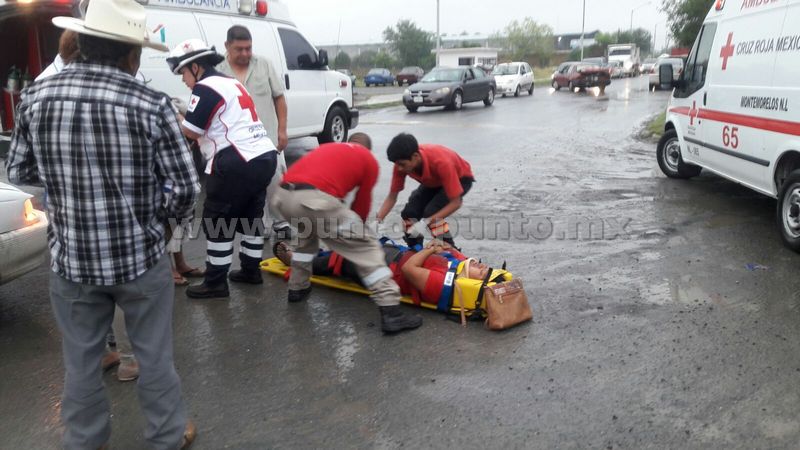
<point x="104" y="146"/>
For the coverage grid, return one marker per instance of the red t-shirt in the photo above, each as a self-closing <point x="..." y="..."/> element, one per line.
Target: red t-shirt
<point x="337" y="169"/>
<point x="441" y="167"/>
<point x="437" y="265"/>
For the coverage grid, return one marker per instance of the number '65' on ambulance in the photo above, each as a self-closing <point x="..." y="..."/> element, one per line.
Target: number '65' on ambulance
<point x="320" y="101"/>
<point x="735" y="110"/>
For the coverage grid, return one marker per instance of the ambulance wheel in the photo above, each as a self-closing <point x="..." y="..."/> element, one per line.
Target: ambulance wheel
<point x="669" y="157"/>
<point x="789" y="211"/>
<point x="335" y="126"/>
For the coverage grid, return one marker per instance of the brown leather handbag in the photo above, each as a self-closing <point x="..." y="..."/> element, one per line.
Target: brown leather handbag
<point x="506" y="305"/>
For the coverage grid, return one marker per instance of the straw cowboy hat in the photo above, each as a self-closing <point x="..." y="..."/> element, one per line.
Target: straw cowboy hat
<point x="117" y="20"/>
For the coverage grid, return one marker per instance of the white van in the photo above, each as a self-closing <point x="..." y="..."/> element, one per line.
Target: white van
<point x="735" y="110"/>
<point x="320" y="101"/>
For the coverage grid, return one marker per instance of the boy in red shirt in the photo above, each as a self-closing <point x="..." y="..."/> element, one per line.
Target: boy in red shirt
<point x="444" y="179"/>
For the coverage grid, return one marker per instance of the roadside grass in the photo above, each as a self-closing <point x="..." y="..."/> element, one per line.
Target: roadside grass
<point x="653" y="129"/>
<point x="542" y="75"/>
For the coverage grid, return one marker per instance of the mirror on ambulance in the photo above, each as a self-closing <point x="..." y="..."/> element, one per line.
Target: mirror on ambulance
<point x="323" y="59"/>
<point x="665" y="76"/>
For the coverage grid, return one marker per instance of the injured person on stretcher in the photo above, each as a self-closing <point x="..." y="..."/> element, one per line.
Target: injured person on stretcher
<point x="420" y="274"/>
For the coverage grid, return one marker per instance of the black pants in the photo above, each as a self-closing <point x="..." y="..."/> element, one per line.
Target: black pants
<point x="425" y="202"/>
<point x="235" y="194"/>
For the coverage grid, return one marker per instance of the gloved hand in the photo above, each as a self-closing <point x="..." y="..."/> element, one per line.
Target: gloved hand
<point x="179" y="105"/>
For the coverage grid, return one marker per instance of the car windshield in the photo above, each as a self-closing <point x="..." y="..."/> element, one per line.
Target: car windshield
<point x="620" y="52"/>
<point x="506" y="69"/>
<point x="375" y="72"/>
<point x="408" y="70"/>
<point x="438" y="75"/>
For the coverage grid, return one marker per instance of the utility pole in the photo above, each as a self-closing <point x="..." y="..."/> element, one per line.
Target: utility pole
<point x="583" y="27"/>
<point x="438" y="38"/>
<point x="634" y="9"/>
<point x="655" y="30"/>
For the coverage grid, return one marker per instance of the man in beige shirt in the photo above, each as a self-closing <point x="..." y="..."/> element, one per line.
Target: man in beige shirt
<point x="261" y="80"/>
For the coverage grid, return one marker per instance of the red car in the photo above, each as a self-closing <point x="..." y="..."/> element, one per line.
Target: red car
<point x="410" y="75"/>
<point x="580" y="75"/>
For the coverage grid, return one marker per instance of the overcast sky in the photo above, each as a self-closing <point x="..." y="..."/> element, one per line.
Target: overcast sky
<point x="364" y="20"/>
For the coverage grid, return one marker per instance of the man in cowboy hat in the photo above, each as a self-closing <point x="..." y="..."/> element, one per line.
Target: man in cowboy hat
<point x="104" y="145"/>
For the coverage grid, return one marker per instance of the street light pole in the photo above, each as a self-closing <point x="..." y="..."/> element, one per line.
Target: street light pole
<point x="583" y="27"/>
<point x="438" y="38"/>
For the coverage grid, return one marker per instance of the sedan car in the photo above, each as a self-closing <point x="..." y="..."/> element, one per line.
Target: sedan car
<point x="677" y="68"/>
<point x="451" y="88"/>
<point x="511" y="78"/>
<point x="23" y="234"/>
<point x="410" y="75"/>
<point x="379" y="76"/>
<point x="580" y="75"/>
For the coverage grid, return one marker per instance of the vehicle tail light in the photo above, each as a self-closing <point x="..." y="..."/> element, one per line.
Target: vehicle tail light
<point x="343" y="84"/>
<point x="30" y="216"/>
<point x="261" y="7"/>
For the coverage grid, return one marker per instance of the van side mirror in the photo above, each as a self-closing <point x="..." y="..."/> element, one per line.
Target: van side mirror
<point x="665" y="76"/>
<point x="322" y="61"/>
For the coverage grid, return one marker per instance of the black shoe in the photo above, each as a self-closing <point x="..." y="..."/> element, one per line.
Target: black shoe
<point x="204" y="291"/>
<point x="300" y="295"/>
<point x="240" y="276"/>
<point x="412" y="241"/>
<point x="394" y="320"/>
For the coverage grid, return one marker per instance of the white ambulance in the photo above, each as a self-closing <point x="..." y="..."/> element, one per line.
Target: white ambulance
<point x="320" y="101"/>
<point x="735" y="110"/>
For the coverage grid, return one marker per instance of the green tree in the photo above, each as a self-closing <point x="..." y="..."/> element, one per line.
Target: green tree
<point x="342" y="61"/>
<point x="385" y="60"/>
<point x="685" y="19"/>
<point x="526" y="39"/>
<point x="409" y="43"/>
<point x="365" y="59"/>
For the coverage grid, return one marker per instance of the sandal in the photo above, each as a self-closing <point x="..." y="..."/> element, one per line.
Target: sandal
<point x="195" y="272"/>
<point x="180" y="280"/>
<point x="282" y="251"/>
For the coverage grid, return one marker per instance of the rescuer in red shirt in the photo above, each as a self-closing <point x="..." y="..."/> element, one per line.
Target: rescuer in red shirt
<point x="444" y="179"/>
<point x="311" y="196"/>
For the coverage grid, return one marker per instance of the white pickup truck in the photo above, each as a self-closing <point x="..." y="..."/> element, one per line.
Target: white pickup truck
<point x="628" y="55"/>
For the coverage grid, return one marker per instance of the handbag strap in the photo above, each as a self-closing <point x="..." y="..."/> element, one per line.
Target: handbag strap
<point x="479" y="300"/>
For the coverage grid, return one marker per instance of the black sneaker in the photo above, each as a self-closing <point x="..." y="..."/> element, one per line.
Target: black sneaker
<point x="240" y="276"/>
<point x="299" y="295"/>
<point x="394" y="320"/>
<point x="204" y="291"/>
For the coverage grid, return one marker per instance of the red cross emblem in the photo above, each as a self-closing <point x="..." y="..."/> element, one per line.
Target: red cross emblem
<point x="246" y="102"/>
<point x="693" y="113"/>
<point x="194" y="101"/>
<point x="727" y="51"/>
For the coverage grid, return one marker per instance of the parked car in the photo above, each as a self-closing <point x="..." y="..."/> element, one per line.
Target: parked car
<point x="378" y="76"/>
<point x="677" y="69"/>
<point x="23" y="234"/>
<point x="580" y="75"/>
<point x="615" y="69"/>
<point x="410" y="75"/>
<point x="647" y="65"/>
<point x="349" y="74"/>
<point x="511" y="78"/>
<point x="451" y="88"/>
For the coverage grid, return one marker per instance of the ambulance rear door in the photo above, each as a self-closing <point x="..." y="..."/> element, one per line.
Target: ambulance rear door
<point x="741" y="64"/>
<point x="785" y="113"/>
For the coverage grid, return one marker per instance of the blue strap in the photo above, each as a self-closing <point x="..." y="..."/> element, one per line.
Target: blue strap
<point x="446" y="297"/>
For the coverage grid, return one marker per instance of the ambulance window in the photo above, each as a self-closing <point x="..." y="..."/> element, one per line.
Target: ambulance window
<point x="300" y="55"/>
<point x="694" y="75"/>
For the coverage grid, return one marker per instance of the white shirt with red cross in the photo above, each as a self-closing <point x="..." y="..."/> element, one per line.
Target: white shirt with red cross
<point x="224" y="115"/>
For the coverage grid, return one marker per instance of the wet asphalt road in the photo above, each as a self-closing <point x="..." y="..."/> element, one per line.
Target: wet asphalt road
<point x="649" y="334"/>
